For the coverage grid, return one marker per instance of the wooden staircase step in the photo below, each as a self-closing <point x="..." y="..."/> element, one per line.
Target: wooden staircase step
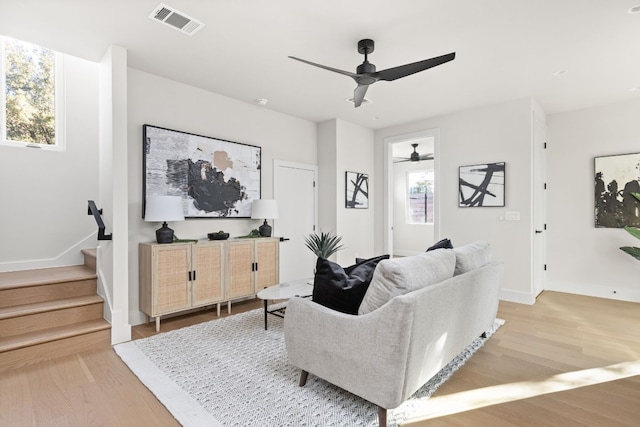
<point x="35" y="347"/>
<point x="46" y="284"/>
<point x="39" y="307"/>
<point x="38" y="316"/>
<point x="44" y="276"/>
<point x="89" y="258"/>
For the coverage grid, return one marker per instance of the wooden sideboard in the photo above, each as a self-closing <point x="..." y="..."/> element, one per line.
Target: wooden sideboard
<point x="181" y="276"/>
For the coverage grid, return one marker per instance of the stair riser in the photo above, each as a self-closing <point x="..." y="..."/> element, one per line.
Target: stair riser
<point x="50" y="292"/>
<point x="19" y="358"/>
<point x="41" y="321"/>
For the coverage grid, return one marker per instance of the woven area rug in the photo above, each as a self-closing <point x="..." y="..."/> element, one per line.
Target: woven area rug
<point x="231" y="372"/>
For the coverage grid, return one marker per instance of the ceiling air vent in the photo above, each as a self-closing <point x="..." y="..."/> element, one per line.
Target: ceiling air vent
<point x="178" y="20"/>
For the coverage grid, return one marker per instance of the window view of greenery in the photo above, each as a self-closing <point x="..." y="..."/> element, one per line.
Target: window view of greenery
<point x="420" y="197"/>
<point x="29" y="92"/>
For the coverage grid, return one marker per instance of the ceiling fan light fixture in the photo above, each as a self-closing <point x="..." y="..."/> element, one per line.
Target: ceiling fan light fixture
<point x="365" y="101"/>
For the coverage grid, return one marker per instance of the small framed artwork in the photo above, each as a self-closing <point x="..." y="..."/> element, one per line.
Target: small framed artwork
<point x="616" y="177"/>
<point x="481" y="185"/>
<point x="356" y="190"/>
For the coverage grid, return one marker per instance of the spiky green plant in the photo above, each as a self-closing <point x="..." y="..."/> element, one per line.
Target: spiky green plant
<point x="324" y="244"/>
<point x="635" y="232"/>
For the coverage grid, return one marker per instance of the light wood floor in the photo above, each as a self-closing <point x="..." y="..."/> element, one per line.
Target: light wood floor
<point x="566" y="361"/>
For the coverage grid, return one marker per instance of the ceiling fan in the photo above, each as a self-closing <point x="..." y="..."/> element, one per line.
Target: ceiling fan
<point x="366" y="73"/>
<point x="415" y="156"/>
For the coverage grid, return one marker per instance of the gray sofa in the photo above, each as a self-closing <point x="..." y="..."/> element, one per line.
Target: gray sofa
<point x="437" y="304"/>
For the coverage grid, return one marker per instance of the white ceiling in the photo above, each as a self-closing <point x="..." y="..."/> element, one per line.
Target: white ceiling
<point x="505" y="49"/>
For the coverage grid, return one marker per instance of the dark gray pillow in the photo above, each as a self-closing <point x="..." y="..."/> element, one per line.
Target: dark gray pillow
<point x="342" y="289"/>
<point x="442" y="244"/>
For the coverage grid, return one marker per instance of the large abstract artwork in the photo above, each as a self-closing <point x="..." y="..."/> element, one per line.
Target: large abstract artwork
<point x="356" y="190"/>
<point x="214" y="177"/>
<point x="481" y="185"/>
<point x="616" y="177"/>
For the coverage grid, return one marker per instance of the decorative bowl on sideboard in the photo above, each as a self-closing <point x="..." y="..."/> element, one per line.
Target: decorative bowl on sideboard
<point x="218" y="236"/>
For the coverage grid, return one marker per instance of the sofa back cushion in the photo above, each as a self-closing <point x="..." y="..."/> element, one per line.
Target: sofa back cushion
<point x="342" y="289"/>
<point x="472" y="256"/>
<point x="399" y="276"/>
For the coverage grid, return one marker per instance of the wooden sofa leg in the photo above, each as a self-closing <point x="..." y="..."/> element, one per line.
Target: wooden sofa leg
<point x="483" y="335"/>
<point x="382" y="416"/>
<point x="303" y="378"/>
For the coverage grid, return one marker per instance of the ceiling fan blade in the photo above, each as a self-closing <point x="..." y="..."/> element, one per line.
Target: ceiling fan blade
<point x="358" y="95"/>
<point x="426" y="156"/>
<point x="391" y="74"/>
<point x="335" y="70"/>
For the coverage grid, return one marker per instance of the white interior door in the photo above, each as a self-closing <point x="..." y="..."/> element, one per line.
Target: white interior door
<point x="294" y="189"/>
<point x="539" y="206"/>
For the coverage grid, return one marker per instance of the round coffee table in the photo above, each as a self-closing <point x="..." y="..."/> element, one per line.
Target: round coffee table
<point x="284" y="291"/>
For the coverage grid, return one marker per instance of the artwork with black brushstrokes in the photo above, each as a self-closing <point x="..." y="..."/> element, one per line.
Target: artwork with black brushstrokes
<point x="356" y="190"/>
<point x="481" y="185"/>
<point x="215" y="178"/>
<point x="616" y="177"/>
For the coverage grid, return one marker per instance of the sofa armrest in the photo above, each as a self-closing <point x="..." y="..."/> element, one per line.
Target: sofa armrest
<point x="365" y="355"/>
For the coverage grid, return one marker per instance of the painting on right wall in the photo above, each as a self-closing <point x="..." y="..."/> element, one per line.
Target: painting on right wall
<point x="616" y="177"/>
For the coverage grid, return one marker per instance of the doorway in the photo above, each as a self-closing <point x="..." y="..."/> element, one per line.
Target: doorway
<point x="411" y="178"/>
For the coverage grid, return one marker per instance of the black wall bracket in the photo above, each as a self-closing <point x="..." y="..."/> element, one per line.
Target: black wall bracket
<point x="97" y="214"/>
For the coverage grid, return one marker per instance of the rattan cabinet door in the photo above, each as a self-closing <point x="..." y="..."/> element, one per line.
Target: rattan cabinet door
<point x="267" y="258"/>
<point x="171" y="285"/>
<point x="239" y="267"/>
<point x="207" y="262"/>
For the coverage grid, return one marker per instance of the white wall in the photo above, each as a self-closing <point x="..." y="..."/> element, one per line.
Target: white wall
<point x="342" y="147"/>
<point x="581" y="258"/>
<point x="43" y="194"/>
<point x="161" y="102"/>
<point x="408" y="239"/>
<point x="495" y="133"/>
<point x="355" y="154"/>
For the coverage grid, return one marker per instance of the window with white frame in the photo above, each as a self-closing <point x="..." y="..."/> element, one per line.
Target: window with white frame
<point x="420" y="197"/>
<point x="31" y="102"/>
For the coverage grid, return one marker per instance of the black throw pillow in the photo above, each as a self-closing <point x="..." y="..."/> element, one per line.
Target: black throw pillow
<point x="342" y="289"/>
<point x="442" y="244"/>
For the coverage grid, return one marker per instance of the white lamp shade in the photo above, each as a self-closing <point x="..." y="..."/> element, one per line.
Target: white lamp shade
<point x="163" y="208"/>
<point x="264" y="209"/>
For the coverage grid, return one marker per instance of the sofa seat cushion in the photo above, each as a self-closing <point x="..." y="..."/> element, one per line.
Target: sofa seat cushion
<point x="342" y="289"/>
<point x="472" y="256"/>
<point x="399" y="276"/>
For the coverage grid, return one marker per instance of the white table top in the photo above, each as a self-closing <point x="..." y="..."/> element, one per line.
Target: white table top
<point x="301" y="287"/>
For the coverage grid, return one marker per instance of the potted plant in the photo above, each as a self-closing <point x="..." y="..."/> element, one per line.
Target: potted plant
<point x="635" y="232"/>
<point x="324" y="244"/>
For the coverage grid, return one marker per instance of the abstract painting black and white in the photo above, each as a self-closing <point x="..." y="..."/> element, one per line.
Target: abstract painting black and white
<point x="357" y="190"/>
<point x="481" y="185"/>
<point x="214" y="177"/>
<point x="616" y="177"/>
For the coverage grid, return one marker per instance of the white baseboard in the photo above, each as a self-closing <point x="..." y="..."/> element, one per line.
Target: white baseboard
<point x="401" y="252"/>
<point x="517" y="296"/>
<point x="71" y="256"/>
<point x="594" y="290"/>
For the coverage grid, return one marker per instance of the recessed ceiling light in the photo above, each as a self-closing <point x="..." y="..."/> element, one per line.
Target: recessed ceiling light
<point x="634" y="9"/>
<point x="633" y="89"/>
<point x="261" y="101"/>
<point x="560" y="72"/>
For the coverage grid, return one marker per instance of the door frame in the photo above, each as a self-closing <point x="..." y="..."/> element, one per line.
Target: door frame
<point x="388" y="182"/>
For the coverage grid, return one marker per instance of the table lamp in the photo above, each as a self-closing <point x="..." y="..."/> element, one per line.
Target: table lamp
<point x="267" y="209"/>
<point x="164" y="208"/>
